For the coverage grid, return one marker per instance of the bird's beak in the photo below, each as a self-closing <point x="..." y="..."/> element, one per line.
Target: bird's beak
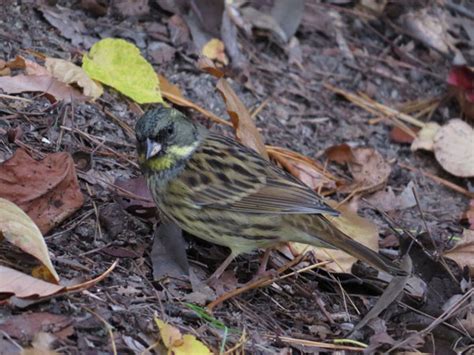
<point x="152" y="148"/>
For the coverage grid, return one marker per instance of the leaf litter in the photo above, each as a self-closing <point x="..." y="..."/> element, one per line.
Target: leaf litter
<point x="90" y="237"/>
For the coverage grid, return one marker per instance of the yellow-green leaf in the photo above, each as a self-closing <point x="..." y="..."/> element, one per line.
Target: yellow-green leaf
<point x="18" y="228"/>
<point x="119" y="64"/>
<point x="178" y="344"/>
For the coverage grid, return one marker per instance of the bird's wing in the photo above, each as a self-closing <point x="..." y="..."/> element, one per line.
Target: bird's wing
<point x="225" y="174"/>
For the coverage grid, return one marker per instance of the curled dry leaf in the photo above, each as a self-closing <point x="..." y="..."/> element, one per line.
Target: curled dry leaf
<point x="425" y="137"/>
<point x="245" y="128"/>
<point x="135" y="197"/>
<point x="398" y="135"/>
<point x="40" y="83"/>
<point x="454" y="148"/>
<point x="179" y="344"/>
<point x="369" y="169"/>
<point x="355" y="226"/>
<point x="46" y="190"/>
<point x="22" y="285"/>
<point x="340" y="153"/>
<point x="70" y="73"/>
<point x="18" y="228"/>
<point x="463" y="252"/>
<point x="214" y="49"/>
<point x="430" y="26"/>
<point x="307" y="170"/>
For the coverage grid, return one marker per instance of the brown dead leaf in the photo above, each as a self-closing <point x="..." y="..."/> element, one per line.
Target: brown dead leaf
<point x="40" y="83"/>
<point x="369" y="169"/>
<point x="46" y="190"/>
<point x="26" y="325"/>
<point x="18" y="228"/>
<point x="135" y="197"/>
<point x="398" y="135"/>
<point x="245" y="128"/>
<point x="207" y="65"/>
<point x="307" y="170"/>
<point x="173" y="93"/>
<point x="453" y="147"/>
<point x="69" y="73"/>
<point x="340" y="153"/>
<point x="355" y="226"/>
<point x="22" y="285"/>
<point x="463" y="252"/>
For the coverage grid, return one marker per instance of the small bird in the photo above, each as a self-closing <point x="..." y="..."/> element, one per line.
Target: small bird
<point x="221" y="191"/>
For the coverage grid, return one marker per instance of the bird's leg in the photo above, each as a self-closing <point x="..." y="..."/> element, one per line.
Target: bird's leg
<point x="264" y="262"/>
<point x="215" y="276"/>
<point x="262" y="271"/>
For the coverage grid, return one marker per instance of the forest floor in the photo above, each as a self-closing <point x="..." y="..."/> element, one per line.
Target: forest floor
<point x="298" y="111"/>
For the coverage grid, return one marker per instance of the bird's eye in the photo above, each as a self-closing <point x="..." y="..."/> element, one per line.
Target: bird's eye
<point x="170" y="130"/>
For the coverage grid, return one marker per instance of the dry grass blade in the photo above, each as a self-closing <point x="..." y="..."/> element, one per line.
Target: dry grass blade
<point x="439" y="180"/>
<point x="396" y="117"/>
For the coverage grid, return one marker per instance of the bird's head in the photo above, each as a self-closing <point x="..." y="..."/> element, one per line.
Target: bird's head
<point x="165" y="137"/>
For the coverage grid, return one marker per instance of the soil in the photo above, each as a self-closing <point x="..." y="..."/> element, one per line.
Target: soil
<point x="300" y="114"/>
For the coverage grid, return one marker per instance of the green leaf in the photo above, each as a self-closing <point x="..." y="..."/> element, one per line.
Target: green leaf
<point x="119" y="64"/>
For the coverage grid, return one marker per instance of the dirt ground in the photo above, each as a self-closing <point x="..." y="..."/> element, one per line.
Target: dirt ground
<point x="302" y="115"/>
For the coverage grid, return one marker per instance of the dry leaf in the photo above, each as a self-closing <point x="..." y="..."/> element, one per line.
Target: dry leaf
<point x="358" y="228"/>
<point x="18" y="228"/>
<point x="305" y="169"/>
<point x="214" y="49"/>
<point x="22" y="285"/>
<point x="340" y="153"/>
<point x="425" y="137"/>
<point x="46" y="190"/>
<point x="430" y="26"/>
<point x="463" y="251"/>
<point x="70" y="73"/>
<point x="178" y="344"/>
<point x="42" y="83"/>
<point x="173" y="93"/>
<point x="454" y="148"/>
<point x="245" y="128"/>
<point x="398" y="135"/>
<point x="369" y="169"/>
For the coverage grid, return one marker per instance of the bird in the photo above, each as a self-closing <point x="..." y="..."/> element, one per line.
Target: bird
<point x="219" y="190"/>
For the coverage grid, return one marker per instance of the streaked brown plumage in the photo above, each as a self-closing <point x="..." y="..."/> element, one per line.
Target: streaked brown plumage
<point x="223" y="192"/>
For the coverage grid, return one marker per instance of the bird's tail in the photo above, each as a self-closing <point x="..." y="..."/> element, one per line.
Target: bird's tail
<point x="323" y="232"/>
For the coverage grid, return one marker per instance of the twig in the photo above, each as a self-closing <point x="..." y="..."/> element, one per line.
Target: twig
<point x="460" y="9"/>
<point x="439" y="180"/>
<point x="319" y="344"/>
<point x="108" y="327"/>
<point x="444" y="316"/>
<point x="371" y="106"/>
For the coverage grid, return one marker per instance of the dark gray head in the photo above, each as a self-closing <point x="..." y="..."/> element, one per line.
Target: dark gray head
<point x="165" y="136"/>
